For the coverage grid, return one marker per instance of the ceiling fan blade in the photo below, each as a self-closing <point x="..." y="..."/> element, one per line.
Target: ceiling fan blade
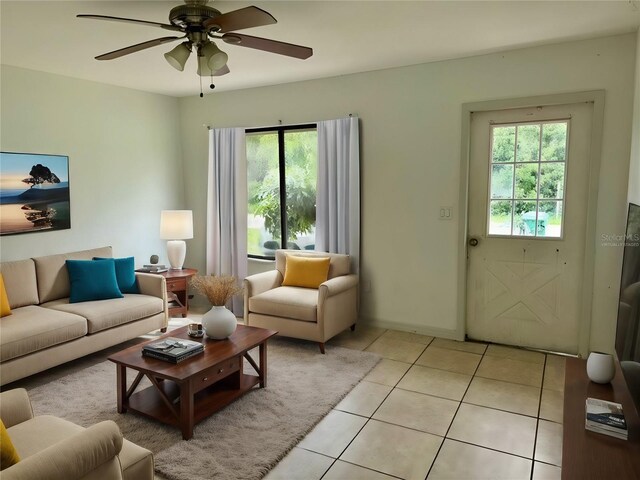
<point x="221" y="71"/>
<point x="136" y="48"/>
<point x="166" y="26"/>
<point x="273" y="46"/>
<point x="239" y="19"/>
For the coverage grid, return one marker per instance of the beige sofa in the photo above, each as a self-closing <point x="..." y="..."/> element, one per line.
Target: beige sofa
<point x="45" y="330"/>
<point x="305" y="313"/>
<point x="55" y="449"/>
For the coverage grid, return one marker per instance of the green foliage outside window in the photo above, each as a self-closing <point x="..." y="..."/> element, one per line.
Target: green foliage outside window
<point x="300" y="181"/>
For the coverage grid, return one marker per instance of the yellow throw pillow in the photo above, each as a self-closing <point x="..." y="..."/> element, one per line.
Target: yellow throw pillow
<point x="5" y="309"/>
<point x="8" y="454"/>
<point x="307" y="272"/>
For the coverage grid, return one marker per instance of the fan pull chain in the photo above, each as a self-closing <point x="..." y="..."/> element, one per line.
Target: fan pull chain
<point x="201" y="94"/>
<point x="212" y="86"/>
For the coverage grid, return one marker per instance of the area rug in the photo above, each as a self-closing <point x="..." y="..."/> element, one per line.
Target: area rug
<point x="244" y="440"/>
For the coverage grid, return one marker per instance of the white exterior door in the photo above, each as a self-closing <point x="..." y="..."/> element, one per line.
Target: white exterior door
<point x="527" y="214"/>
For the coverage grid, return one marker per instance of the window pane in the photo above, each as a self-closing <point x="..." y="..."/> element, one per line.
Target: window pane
<point x="550" y="219"/>
<point x="263" y="223"/>
<point x="527" y="180"/>
<point x="502" y="181"/>
<point x="552" y="180"/>
<point x="500" y="217"/>
<point x="528" y="143"/>
<point x="503" y="144"/>
<point x="301" y="167"/>
<point x="554" y="142"/>
<point x="524" y="218"/>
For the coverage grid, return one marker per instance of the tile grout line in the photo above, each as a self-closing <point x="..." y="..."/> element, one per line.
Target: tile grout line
<point x="535" y="438"/>
<point x="363" y="425"/>
<point x="455" y="414"/>
<point x="369" y="418"/>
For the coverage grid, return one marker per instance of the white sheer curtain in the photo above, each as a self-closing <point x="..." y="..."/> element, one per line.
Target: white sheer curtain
<point x="227" y="206"/>
<point x="338" y="195"/>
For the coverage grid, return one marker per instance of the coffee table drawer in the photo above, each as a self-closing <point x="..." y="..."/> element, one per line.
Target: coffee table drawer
<point x="213" y="374"/>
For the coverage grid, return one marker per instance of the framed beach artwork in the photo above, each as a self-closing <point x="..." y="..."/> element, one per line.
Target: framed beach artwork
<point x="34" y="193"/>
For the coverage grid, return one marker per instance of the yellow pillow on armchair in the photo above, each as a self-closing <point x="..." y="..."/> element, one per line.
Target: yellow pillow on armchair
<point x="5" y="309"/>
<point x="307" y="272"/>
<point x="8" y="454"/>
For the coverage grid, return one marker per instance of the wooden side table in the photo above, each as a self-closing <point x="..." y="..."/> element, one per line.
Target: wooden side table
<point x="177" y="290"/>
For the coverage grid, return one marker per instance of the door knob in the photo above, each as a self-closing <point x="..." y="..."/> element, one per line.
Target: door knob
<point x="473" y="242"/>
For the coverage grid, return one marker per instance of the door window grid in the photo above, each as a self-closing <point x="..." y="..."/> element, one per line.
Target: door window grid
<point x="527" y="179"/>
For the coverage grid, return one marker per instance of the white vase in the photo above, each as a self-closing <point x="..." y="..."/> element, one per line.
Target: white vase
<point x="600" y="367"/>
<point x="219" y="323"/>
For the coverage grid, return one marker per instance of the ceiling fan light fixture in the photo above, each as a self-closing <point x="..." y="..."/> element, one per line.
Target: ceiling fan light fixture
<point x="178" y="56"/>
<point x="215" y="58"/>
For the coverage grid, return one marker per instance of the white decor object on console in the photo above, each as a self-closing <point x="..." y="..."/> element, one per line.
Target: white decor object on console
<point x="176" y="226"/>
<point x="600" y="367"/>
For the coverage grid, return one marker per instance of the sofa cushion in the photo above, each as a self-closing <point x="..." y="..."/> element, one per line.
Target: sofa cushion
<point x="92" y="280"/>
<point x="104" y="314"/>
<point x="20" y="282"/>
<point x="53" y="279"/>
<point x="34" y="328"/>
<point x="5" y="308"/>
<point x="125" y="274"/>
<point x="291" y="302"/>
<point x="306" y="272"/>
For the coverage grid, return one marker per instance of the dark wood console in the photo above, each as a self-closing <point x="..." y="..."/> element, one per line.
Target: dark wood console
<point x="592" y="455"/>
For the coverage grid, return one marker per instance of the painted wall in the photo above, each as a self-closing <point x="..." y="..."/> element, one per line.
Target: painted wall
<point x="634" y="167"/>
<point x="410" y="133"/>
<point x="124" y="160"/>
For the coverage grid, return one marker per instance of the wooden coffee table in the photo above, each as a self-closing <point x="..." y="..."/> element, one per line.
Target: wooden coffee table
<point x="183" y="394"/>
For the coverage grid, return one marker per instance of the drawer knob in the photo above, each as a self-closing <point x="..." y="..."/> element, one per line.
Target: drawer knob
<point x="221" y="370"/>
<point x="205" y="379"/>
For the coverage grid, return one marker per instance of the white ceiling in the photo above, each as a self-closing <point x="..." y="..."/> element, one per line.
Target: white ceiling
<point x="347" y="37"/>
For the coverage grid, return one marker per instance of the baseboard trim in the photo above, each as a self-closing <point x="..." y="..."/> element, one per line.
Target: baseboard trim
<point x="452" y="334"/>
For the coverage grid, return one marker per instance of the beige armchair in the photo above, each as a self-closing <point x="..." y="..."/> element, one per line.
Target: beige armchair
<point x="52" y="448"/>
<point x="305" y="313"/>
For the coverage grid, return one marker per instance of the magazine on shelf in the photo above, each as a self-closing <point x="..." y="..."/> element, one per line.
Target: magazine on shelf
<point x="605" y="417"/>
<point x="172" y="349"/>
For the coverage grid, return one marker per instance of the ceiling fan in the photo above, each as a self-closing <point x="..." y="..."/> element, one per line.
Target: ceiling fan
<point x="200" y="24"/>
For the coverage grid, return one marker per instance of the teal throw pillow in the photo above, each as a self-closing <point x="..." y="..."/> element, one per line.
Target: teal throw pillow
<point x="125" y="274"/>
<point x="92" y="280"/>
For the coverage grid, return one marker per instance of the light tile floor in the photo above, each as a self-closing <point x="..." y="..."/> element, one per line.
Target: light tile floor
<point x="438" y="409"/>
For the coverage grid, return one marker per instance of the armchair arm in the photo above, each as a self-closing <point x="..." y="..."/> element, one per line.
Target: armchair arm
<point x="15" y="407"/>
<point x="336" y="285"/>
<point x="72" y="458"/>
<point x="261" y="282"/>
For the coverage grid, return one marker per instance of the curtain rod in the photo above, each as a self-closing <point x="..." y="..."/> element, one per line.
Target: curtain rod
<point x="209" y="127"/>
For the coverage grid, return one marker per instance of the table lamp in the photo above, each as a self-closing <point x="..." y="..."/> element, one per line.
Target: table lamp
<point x="176" y="226"/>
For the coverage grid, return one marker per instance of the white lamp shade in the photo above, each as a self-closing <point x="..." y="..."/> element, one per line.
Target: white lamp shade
<point x="216" y="58"/>
<point x="178" y="56"/>
<point x="176" y="224"/>
<point x="203" y="67"/>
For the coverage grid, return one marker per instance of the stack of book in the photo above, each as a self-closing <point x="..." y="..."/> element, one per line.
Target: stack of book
<point x="173" y="350"/>
<point x="153" y="269"/>
<point x="605" y="417"/>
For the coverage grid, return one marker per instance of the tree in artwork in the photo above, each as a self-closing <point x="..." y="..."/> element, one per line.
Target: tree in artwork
<point x="40" y="174"/>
